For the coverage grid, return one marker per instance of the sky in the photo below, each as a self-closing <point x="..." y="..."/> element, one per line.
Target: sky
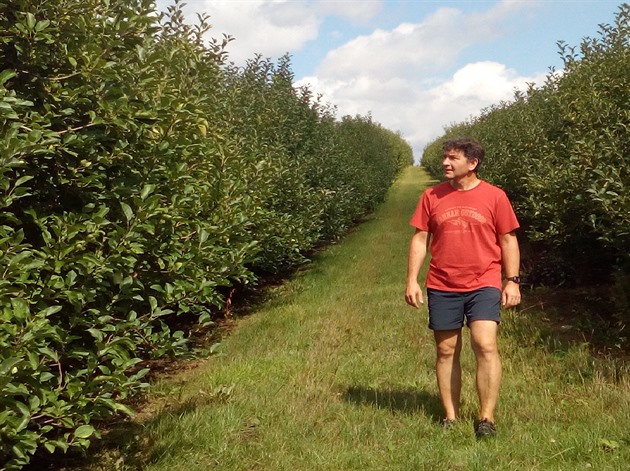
<point x="415" y="66"/>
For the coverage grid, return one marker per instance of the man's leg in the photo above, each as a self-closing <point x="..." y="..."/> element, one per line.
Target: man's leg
<point x="484" y="343"/>
<point x="448" y="369"/>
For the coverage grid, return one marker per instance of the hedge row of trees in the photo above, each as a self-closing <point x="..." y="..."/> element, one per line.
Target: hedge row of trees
<point x="143" y="178"/>
<point x="562" y="153"/>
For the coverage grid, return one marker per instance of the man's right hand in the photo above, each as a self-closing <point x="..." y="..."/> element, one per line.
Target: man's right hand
<point x="413" y="295"/>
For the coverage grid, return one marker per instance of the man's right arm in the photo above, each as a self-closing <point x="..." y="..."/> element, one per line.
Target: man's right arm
<point x="417" y="254"/>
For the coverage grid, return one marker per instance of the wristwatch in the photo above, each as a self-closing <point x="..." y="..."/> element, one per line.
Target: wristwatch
<point x="515" y="279"/>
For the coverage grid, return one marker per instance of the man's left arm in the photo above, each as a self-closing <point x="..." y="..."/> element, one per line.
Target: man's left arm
<point x="511" y="258"/>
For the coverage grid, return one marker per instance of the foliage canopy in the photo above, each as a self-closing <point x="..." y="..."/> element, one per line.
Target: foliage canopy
<point x="143" y="178"/>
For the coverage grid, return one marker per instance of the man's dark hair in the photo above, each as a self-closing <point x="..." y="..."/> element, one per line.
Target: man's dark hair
<point x="471" y="148"/>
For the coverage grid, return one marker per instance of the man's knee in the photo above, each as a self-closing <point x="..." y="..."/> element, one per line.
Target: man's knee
<point x="485" y="348"/>
<point x="447" y="350"/>
<point x="447" y="346"/>
<point x="484" y="338"/>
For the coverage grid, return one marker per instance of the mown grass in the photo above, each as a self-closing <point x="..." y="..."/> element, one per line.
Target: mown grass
<point x="335" y="372"/>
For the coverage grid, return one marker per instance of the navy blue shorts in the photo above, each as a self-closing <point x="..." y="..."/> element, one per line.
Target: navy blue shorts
<point x="447" y="309"/>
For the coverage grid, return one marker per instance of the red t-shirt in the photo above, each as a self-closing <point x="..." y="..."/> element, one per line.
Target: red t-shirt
<point x="465" y="227"/>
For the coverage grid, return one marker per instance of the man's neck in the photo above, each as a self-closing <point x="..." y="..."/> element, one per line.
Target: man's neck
<point x="467" y="182"/>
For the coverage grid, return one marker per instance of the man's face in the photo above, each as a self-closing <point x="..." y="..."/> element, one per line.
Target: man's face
<point x="456" y="165"/>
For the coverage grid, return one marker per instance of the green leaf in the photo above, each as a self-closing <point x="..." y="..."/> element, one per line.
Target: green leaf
<point x="49" y="353"/>
<point x="49" y="311"/>
<point x="42" y="25"/>
<point x="17" y="451"/>
<point x="97" y="334"/>
<point x="124" y="409"/>
<point x="20" y="308"/>
<point x="7" y="365"/>
<point x="7" y="112"/>
<point x="84" y="431"/>
<point x="70" y="278"/>
<point x="30" y="21"/>
<point x="140" y="51"/>
<point x="127" y="210"/>
<point x="24" y="423"/>
<point x="203" y="235"/>
<point x="147" y="190"/>
<point x="46" y="376"/>
<point x="7" y="74"/>
<point x="153" y="303"/>
<point x="26" y="412"/>
<point x="19" y="257"/>
<point x="23" y="179"/>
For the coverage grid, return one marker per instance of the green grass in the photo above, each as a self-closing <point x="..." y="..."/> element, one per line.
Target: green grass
<point x="335" y="372"/>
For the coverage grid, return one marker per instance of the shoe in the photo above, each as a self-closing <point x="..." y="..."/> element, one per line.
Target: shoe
<point x="484" y="428"/>
<point x="448" y="423"/>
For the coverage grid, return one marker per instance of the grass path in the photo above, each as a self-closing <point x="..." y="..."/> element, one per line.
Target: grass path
<point x="334" y="372"/>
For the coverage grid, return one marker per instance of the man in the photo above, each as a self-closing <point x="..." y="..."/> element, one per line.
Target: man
<point x="468" y="225"/>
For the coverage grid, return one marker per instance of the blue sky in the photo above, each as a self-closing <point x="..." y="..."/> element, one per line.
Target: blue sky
<point x="528" y="45"/>
<point x="415" y="65"/>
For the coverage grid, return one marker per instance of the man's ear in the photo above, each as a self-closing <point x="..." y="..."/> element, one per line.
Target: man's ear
<point x="475" y="163"/>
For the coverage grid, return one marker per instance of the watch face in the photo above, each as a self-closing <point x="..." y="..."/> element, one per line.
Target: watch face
<point x="515" y="279"/>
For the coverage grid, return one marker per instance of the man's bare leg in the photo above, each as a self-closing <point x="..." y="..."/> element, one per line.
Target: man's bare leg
<point x="448" y="369"/>
<point x="484" y="344"/>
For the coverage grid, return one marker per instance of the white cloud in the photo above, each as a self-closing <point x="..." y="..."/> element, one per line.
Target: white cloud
<point x="420" y="113"/>
<point x="272" y="28"/>
<point x="426" y="47"/>
<point x="480" y="81"/>
<point x="355" y="11"/>
<point x="269" y="28"/>
<point x="409" y="48"/>
<point x="405" y="76"/>
<point x="472" y="88"/>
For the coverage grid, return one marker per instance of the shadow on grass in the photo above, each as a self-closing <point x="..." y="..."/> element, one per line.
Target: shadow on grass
<point x="406" y="401"/>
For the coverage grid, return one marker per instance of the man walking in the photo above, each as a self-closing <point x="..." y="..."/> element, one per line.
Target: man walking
<point x="468" y="225"/>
